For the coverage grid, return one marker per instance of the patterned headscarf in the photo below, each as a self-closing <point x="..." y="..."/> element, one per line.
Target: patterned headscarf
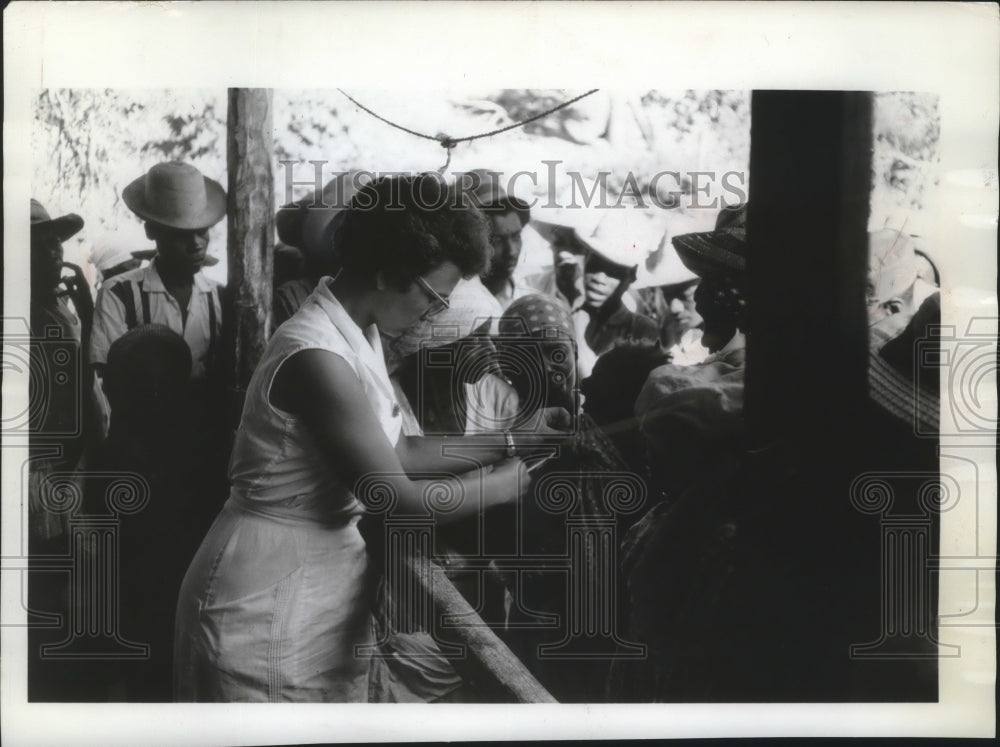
<point x="537" y="315"/>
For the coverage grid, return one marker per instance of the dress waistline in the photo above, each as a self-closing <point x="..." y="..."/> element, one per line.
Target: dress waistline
<point x="290" y="515"/>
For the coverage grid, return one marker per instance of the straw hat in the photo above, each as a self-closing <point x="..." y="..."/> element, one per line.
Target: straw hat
<point x="621" y="237"/>
<point x="893" y="265"/>
<point x="177" y="195"/>
<point x="625" y="238"/>
<point x="62" y="227"/>
<point x="718" y="252"/>
<point x="903" y="383"/>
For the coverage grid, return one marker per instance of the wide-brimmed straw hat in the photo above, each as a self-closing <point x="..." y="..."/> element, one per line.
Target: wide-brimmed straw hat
<point x="903" y="375"/>
<point x="893" y="265"/>
<point x="626" y="239"/>
<point x="619" y="237"/>
<point x="62" y="227"/>
<point x="176" y="195"/>
<point x="718" y="252"/>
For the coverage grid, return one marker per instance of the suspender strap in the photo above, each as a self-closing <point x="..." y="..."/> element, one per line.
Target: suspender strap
<point x="123" y="291"/>
<point x="144" y="297"/>
<point x="212" y="298"/>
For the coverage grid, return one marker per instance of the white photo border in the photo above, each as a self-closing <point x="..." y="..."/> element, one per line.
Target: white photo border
<point x="947" y="48"/>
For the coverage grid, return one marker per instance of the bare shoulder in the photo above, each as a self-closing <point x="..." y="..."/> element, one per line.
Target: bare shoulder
<point x="312" y="376"/>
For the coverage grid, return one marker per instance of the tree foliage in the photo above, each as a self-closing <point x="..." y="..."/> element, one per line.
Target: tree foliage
<point x="905" y="157"/>
<point x="89" y="143"/>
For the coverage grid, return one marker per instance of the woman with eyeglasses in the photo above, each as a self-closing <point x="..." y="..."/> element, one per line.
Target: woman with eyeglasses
<point x="278" y="603"/>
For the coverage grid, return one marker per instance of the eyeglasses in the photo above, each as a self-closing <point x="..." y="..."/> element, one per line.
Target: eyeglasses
<point x="438" y="302"/>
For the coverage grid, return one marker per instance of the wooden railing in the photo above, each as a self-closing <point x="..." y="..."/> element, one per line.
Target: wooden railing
<point x="488" y="665"/>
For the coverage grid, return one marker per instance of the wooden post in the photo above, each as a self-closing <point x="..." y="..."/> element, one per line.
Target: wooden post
<point x="251" y="230"/>
<point x="810" y="181"/>
<point x="812" y="583"/>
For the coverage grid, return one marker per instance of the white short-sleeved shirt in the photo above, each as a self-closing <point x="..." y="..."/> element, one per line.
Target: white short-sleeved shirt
<point x="145" y="289"/>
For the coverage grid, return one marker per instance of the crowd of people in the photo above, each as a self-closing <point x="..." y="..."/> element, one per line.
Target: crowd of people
<point x="402" y="341"/>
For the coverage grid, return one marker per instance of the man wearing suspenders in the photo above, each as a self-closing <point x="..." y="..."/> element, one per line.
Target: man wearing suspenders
<point x="176" y="437"/>
<point x="178" y="205"/>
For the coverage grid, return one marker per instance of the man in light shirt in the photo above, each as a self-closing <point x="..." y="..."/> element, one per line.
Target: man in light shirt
<point x="178" y="205"/>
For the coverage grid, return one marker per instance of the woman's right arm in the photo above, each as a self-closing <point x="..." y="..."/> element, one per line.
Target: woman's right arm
<point x="323" y="390"/>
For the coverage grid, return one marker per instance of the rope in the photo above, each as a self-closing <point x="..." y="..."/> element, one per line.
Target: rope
<point x="448" y="142"/>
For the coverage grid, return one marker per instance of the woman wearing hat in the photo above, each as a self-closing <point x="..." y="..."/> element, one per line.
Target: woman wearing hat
<point x="277" y="604"/>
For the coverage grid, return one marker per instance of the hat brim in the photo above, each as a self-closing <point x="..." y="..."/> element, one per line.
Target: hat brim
<point x="668" y="271"/>
<point x="902" y="397"/>
<point x="711" y="253"/>
<point x="213" y="211"/>
<point x="63" y="227"/>
<point x="553" y="232"/>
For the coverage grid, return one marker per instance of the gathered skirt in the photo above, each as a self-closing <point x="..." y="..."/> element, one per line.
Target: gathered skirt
<point x="284" y="610"/>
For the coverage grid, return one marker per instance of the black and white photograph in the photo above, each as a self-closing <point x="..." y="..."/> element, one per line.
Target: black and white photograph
<point x="634" y="362"/>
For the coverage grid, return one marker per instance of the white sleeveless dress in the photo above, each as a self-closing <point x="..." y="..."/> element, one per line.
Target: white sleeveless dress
<point x="280" y="595"/>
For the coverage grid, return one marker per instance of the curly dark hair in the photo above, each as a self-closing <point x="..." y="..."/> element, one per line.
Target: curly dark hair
<point x="405" y="226"/>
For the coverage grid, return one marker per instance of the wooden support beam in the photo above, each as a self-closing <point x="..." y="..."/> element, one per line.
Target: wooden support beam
<point x="810" y="185"/>
<point x="489" y="663"/>
<point x="251" y="229"/>
<point x="811" y="588"/>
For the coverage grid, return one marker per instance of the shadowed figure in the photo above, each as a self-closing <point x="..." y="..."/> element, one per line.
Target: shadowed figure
<point x="151" y="434"/>
<point x="537" y="353"/>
